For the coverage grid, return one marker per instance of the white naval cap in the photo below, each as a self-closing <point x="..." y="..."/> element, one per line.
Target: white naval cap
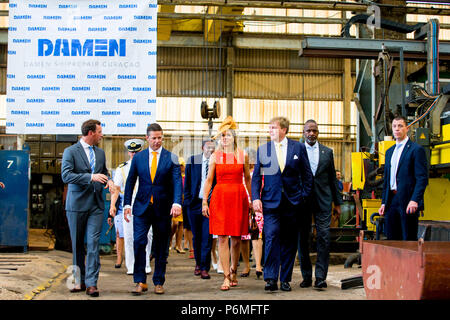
<point x="134" y="145"/>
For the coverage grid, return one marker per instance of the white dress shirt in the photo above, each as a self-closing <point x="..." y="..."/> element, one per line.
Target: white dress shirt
<point x="313" y="156"/>
<point x="86" y="150"/>
<point x="202" y="185"/>
<point x="399" y="146"/>
<point x="284" y="145"/>
<point x="150" y="159"/>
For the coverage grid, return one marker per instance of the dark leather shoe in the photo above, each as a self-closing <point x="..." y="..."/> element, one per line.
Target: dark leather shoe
<point x="320" y="283"/>
<point x="205" y="275"/>
<point x="80" y="288"/>
<point x="271" y="285"/>
<point x="159" y="289"/>
<point x="285" y="286"/>
<point x="306" y="283"/>
<point x="92" y="292"/>
<point x="197" y="271"/>
<point x="140" y="289"/>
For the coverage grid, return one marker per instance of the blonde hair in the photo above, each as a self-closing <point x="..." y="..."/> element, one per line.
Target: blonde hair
<point x="282" y="121"/>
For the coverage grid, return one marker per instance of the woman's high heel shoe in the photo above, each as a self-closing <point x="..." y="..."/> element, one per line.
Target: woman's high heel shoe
<point x="118" y="265"/>
<point x="258" y="274"/>
<point x="225" y="286"/>
<point x="233" y="282"/>
<point x="179" y="251"/>
<point x="245" y="274"/>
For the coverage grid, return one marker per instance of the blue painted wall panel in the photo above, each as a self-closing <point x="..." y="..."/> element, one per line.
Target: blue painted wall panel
<point x="14" y="173"/>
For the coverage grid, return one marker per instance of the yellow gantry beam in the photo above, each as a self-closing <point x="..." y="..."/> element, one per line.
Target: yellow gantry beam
<point x="212" y="29"/>
<point x="165" y="25"/>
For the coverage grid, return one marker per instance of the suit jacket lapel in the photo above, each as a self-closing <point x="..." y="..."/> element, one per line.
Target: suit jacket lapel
<point x="321" y="158"/>
<point x="289" y="151"/>
<point x="97" y="157"/>
<point x="388" y="158"/>
<point x="161" y="162"/>
<point x="83" y="155"/>
<point x="197" y="169"/>
<point x="273" y="156"/>
<point x="147" y="163"/>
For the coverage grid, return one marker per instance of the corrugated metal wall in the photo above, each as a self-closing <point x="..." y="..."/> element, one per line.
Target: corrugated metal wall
<point x="3" y="64"/>
<point x="293" y="28"/>
<point x="259" y="74"/>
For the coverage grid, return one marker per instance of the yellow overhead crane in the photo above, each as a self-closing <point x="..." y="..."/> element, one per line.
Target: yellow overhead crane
<point x="212" y="29"/>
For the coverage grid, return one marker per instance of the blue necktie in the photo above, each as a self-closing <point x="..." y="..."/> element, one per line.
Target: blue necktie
<point x="91" y="159"/>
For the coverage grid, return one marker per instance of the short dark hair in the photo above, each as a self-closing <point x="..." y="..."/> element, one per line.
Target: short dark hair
<point x="205" y="141"/>
<point x="311" y="121"/>
<point x="400" y="117"/>
<point x="89" y="125"/>
<point x="153" y="127"/>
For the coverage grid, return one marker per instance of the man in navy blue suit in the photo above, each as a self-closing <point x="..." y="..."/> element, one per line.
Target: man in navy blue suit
<point x="405" y="180"/>
<point x="196" y="173"/>
<point x="287" y="183"/>
<point x="158" y="199"/>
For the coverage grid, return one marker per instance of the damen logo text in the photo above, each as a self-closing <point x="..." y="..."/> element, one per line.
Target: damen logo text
<point x="74" y="47"/>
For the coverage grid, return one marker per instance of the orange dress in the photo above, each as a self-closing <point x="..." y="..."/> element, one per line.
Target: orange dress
<point x="229" y="201"/>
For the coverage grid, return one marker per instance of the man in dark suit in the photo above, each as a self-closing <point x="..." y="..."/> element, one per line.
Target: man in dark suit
<point x="325" y="191"/>
<point x="196" y="173"/>
<point x="158" y="199"/>
<point x="405" y="180"/>
<point x="84" y="170"/>
<point x="287" y="182"/>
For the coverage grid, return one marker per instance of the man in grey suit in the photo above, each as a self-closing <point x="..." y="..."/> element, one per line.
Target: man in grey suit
<point x="325" y="191"/>
<point x="84" y="170"/>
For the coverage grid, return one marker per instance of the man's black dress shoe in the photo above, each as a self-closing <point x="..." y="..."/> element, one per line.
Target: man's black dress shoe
<point x="285" y="286"/>
<point x="92" y="291"/>
<point x="205" y="275"/>
<point x="306" y="283"/>
<point x="320" y="283"/>
<point x="271" y="285"/>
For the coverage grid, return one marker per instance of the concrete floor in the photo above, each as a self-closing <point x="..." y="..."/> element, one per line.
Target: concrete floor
<point x="42" y="275"/>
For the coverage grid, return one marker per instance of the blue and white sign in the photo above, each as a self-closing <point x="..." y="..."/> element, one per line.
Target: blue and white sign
<point x="69" y="61"/>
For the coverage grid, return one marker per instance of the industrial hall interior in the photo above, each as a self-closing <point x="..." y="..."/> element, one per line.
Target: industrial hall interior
<point x="224" y="150"/>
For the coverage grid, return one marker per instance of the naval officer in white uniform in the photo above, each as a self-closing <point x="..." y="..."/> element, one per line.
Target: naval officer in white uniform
<point x="120" y="177"/>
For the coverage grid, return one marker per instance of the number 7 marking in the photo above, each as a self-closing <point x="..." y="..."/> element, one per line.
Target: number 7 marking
<point x="10" y="162"/>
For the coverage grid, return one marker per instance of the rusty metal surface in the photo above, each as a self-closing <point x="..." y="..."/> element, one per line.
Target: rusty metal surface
<point x="406" y="270"/>
<point x="434" y="230"/>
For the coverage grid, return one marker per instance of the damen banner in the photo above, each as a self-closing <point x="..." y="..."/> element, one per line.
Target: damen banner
<point x="69" y="61"/>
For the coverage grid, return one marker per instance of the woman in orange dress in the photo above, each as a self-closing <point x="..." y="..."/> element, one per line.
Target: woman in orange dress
<point x="229" y="205"/>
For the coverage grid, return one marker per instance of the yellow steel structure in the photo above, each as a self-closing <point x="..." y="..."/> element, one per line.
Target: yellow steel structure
<point x="358" y="176"/>
<point x="165" y="25"/>
<point x="370" y="206"/>
<point x="212" y="29"/>
<point x="440" y="154"/>
<point x="383" y="146"/>
<point x="445" y="152"/>
<point x="437" y="200"/>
